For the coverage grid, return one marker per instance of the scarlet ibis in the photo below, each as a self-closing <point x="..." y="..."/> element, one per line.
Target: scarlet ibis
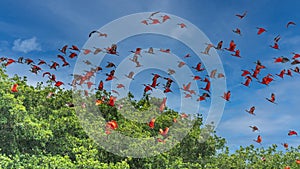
<point x="165" y="18"/>
<point x="63" y="49"/>
<point x="203" y="97"/>
<point x="261" y="30"/>
<point x="152" y="123"/>
<point x="254" y="128"/>
<point x="14" y="88"/>
<point x="232" y="46"/>
<point x="219" y="45"/>
<point x="237" y="31"/>
<point x="207" y="49"/>
<point x="290" y="23"/>
<point x="241" y="16"/>
<point x="58" y="83"/>
<point x="163" y="104"/>
<point x="251" y="110"/>
<point x="272" y="99"/>
<point x="292" y="132"/>
<point x="182" y="25"/>
<point x="226" y="95"/>
<point x="259" y="139"/>
<point x="248" y="81"/>
<point x="164" y="132"/>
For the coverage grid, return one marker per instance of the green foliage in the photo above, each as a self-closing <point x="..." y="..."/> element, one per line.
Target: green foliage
<point x="41" y="132"/>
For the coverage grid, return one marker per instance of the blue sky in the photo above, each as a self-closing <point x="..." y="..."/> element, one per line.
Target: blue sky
<point x="37" y="29"/>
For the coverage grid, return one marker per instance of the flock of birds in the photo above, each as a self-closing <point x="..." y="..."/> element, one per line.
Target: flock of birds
<point x="72" y="52"/>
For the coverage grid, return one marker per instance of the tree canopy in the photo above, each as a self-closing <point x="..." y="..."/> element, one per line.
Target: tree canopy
<point x="40" y="128"/>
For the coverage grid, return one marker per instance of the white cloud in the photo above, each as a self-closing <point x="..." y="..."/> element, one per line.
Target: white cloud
<point x="26" y="45"/>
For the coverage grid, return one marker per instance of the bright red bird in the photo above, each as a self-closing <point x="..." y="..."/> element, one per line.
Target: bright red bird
<point x="14" y="88"/>
<point x="110" y="76"/>
<point x="219" y="45"/>
<point x="248" y="81"/>
<point x="63" y="49"/>
<point x="198" y="67"/>
<point x="182" y="25"/>
<point x="267" y="79"/>
<point x="272" y="99"/>
<point x="197" y="78"/>
<point x="232" y="46"/>
<point x="237" y="53"/>
<point x="163" y="105"/>
<point x="203" y="97"/>
<point x="165" y="18"/>
<point x="29" y="61"/>
<point x="296" y="69"/>
<point x="154" y="21"/>
<point x="207" y="87"/>
<point x="292" y="132"/>
<point x="41" y="62"/>
<point x="281" y="59"/>
<point x="164" y="132"/>
<point x="282" y="73"/>
<point x="251" y="110"/>
<point x="152" y="123"/>
<point x="241" y="16"/>
<point x="245" y="72"/>
<point x="147" y="88"/>
<point x="35" y="69"/>
<point x="52" y="78"/>
<point x="58" y="83"/>
<point x="72" y="55"/>
<point x="254" y="128"/>
<point x="261" y="30"/>
<point x="259" y="139"/>
<point x="111" y="125"/>
<point x="285" y="145"/>
<point x="259" y="65"/>
<point x="65" y="63"/>
<point x="47" y="73"/>
<point x="275" y="46"/>
<point x="100" y="86"/>
<point x="54" y="65"/>
<point x="296" y="55"/>
<point x="237" y="31"/>
<point x="111" y="101"/>
<point x="290" y="23"/>
<point x="154" y="83"/>
<point x="289" y="73"/>
<point x="226" y="96"/>
<point x="167" y="90"/>
<point x="9" y="61"/>
<point x="75" y="48"/>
